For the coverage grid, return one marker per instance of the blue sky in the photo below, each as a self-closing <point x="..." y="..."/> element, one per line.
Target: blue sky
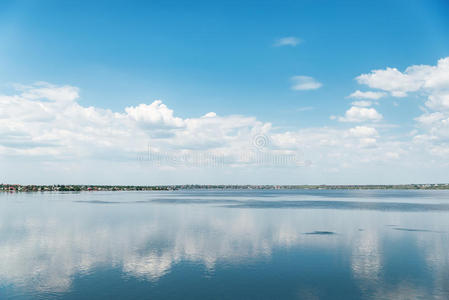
<point x="225" y="57"/>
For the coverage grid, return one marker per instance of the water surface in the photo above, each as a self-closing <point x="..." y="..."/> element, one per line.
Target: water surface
<point x="303" y="244"/>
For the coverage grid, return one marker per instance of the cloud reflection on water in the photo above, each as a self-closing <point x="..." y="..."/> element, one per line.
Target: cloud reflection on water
<point x="44" y="244"/>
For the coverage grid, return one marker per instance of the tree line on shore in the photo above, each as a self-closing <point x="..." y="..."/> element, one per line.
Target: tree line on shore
<point x="80" y="188"/>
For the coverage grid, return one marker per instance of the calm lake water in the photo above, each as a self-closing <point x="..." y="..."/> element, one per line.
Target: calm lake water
<point x="301" y="244"/>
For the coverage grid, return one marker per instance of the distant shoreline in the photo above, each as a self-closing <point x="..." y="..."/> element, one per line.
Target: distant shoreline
<point x="79" y="188"/>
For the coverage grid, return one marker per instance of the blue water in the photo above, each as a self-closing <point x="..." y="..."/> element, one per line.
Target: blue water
<point x="301" y="244"/>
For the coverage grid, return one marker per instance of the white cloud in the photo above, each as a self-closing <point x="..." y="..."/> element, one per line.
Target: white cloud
<point x="61" y="132"/>
<point x="57" y="134"/>
<point x="363" y="131"/>
<point x="362" y="103"/>
<point x="430" y="118"/>
<point x="57" y="127"/>
<point x="288" y="41"/>
<point x="367" y="95"/>
<point x="368" y="142"/>
<point x="365" y="136"/>
<point x="361" y="114"/>
<point x="431" y="82"/>
<point x="44" y="90"/>
<point x="414" y="78"/>
<point x="210" y="115"/>
<point x="438" y="100"/>
<point x="155" y="114"/>
<point x="392" y="155"/>
<point x="302" y="83"/>
<point x="391" y="80"/>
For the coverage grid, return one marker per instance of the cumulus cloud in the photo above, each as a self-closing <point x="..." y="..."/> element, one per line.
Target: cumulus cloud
<point x="44" y="120"/>
<point x="361" y="114"/>
<point x="428" y="81"/>
<point x="438" y="101"/>
<point x="432" y="83"/>
<point x="414" y="78"/>
<point x="156" y="113"/>
<point x="61" y="131"/>
<point x="44" y="123"/>
<point x="363" y="131"/>
<point x="364" y="135"/>
<point x="302" y="83"/>
<point x="367" y="95"/>
<point x="391" y="80"/>
<point x="287" y="41"/>
<point x="210" y="115"/>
